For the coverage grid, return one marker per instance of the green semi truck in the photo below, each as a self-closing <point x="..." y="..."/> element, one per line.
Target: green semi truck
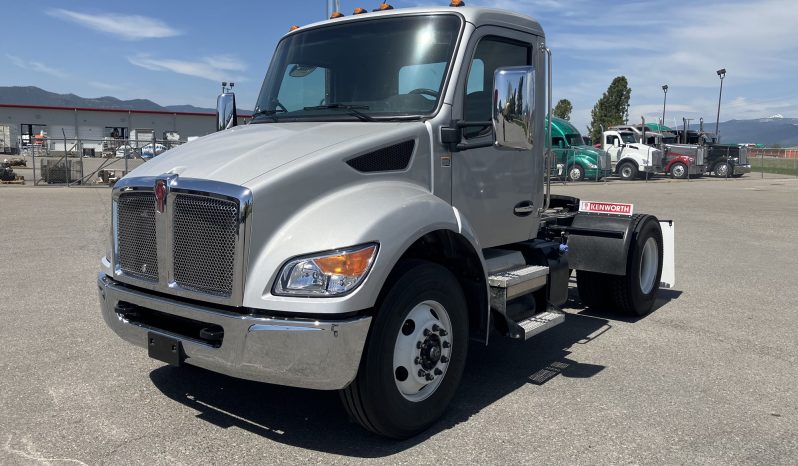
<point x="573" y="159"/>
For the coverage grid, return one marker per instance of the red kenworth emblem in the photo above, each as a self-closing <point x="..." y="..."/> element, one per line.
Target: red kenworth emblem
<point x="160" y="195"/>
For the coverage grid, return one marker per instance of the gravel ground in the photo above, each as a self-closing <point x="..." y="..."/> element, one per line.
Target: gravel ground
<point x="709" y="377"/>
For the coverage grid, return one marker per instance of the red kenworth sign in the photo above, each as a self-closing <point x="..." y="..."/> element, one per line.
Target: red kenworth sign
<point x="606" y="207"/>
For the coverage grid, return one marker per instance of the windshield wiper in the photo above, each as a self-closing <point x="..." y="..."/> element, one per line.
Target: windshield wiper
<point x="270" y="113"/>
<point x="352" y="109"/>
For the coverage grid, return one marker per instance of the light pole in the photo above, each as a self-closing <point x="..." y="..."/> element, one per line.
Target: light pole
<point x="664" y="99"/>
<point x="721" y="74"/>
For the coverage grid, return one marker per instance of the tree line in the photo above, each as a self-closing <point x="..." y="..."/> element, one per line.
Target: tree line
<point x="611" y="109"/>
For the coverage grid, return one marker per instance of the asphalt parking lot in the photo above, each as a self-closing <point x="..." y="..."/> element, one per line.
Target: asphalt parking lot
<point x="709" y="377"/>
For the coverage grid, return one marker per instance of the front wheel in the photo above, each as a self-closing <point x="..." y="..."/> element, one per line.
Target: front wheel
<point x="721" y="170"/>
<point x="415" y="354"/>
<point x="628" y="171"/>
<point x="678" y="171"/>
<point x="576" y="173"/>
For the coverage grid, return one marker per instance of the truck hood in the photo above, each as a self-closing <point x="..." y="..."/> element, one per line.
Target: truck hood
<point x="590" y="150"/>
<point x="242" y="153"/>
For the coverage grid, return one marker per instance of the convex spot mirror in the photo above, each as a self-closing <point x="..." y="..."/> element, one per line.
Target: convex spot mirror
<point x="300" y="71"/>
<point x="514" y="107"/>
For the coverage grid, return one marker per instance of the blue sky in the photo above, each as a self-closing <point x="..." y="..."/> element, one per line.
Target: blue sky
<point x="177" y="52"/>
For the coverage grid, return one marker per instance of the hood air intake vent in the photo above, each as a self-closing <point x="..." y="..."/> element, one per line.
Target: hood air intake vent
<point x="391" y="158"/>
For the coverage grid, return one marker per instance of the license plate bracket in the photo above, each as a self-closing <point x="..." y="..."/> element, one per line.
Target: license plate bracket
<point x="165" y="349"/>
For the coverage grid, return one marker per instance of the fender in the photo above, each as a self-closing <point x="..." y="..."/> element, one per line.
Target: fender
<point x="392" y="213"/>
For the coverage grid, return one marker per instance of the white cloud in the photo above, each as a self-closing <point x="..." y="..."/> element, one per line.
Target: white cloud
<point x="215" y="68"/>
<point x="129" y="27"/>
<point x="36" y="66"/>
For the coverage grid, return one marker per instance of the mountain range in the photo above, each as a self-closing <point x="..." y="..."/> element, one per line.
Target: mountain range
<point x="771" y="131"/>
<point x="31" y="95"/>
<point x="775" y="130"/>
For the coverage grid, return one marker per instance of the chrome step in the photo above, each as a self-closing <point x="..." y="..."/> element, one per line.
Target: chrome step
<point x="515" y="282"/>
<point x="536" y="324"/>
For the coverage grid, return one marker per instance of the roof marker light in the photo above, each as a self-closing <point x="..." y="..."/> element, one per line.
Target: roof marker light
<point x="457" y="3"/>
<point x="359" y="11"/>
<point x="293" y="28"/>
<point x="336" y="14"/>
<point x="384" y="6"/>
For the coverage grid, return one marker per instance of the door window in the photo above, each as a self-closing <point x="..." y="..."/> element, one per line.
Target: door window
<point x="491" y="53"/>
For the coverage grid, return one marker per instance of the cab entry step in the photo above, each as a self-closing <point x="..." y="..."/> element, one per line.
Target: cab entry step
<point x="538" y="323"/>
<point x="516" y="282"/>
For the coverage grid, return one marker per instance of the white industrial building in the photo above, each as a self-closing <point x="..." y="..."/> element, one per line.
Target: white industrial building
<point x="50" y="125"/>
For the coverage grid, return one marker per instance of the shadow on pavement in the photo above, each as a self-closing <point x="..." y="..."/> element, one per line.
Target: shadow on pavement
<point x="316" y="420"/>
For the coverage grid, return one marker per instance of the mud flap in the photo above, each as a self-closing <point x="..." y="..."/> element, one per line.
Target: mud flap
<point x="668" y="279"/>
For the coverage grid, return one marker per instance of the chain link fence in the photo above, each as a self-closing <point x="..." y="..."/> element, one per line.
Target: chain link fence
<point x="80" y="162"/>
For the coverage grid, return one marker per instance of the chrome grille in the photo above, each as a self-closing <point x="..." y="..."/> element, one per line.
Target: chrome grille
<point x="743" y="160"/>
<point x="205" y="233"/>
<point x="135" y="235"/>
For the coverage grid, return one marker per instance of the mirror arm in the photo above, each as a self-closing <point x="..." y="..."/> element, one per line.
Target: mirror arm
<point x="452" y="135"/>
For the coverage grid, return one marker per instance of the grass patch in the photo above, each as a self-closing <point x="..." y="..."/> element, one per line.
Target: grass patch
<point x="774" y="165"/>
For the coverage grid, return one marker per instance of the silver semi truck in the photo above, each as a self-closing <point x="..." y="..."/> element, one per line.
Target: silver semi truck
<point x="386" y="207"/>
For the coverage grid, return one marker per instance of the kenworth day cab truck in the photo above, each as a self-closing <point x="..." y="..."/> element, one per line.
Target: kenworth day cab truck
<point x="386" y="207"/>
<point x="573" y="158"/>
<point x="630" y="159"/>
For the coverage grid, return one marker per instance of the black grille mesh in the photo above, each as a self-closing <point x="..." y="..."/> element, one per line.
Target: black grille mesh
<point x="135" y="235"/>
<point x="391" y="158"/>
<point x="204" y="246"/>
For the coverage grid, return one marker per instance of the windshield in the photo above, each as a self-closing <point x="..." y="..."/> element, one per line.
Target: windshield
<point x="628" y="138"/>
<point x="574" y="139"/>
<point x="373" y="69"/>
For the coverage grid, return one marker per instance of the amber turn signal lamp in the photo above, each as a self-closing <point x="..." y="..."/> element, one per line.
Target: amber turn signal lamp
<point x="353" y="264"/>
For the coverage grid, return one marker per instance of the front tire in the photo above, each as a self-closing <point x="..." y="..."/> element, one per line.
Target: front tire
<point x="415" y="353"/>
<point x="576" y="173"/>
<point x="628" y="171"/>
<point x="678" y="171"/>
<point x="721" y="169"/>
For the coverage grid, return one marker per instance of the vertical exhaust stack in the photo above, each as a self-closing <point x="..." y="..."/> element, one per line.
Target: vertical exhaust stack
<point x="332" y="7"/>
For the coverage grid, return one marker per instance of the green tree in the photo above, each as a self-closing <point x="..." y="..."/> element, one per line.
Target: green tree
<point x="612" y="108"/>
<point x="563" y="109"/>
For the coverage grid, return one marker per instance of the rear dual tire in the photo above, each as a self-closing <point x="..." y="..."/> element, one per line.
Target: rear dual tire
<point x="635" y="292"/>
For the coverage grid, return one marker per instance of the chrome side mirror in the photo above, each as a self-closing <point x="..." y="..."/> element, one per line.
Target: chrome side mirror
<point x="226" y="115"/>
<point x="514" y="107"/>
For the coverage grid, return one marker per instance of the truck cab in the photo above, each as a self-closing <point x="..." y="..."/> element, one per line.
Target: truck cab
<point x="630" y="159"/>
<point x="387" y="206"/>
<point x="576" y="160"/>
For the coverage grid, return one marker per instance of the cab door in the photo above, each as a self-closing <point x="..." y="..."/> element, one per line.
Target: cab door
<point x="612" y="148"/>
<point x="496" y="191"/>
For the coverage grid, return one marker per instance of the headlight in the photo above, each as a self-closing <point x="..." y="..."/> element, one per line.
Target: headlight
<point x="691" y="159"/>
<point x="592" y="165"/>
<point x="331" y="273"/>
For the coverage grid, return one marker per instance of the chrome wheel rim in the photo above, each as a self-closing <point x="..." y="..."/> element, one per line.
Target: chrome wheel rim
<point x="575" y="174"/>
<point x="723" y="169"/>
<point x="422" y="351"/>
<point x="626" y="172"/>
<point x="678" y="171"/>
<point x="649" y="262"/>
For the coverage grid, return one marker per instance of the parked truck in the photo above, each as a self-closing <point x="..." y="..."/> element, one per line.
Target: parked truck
<point x="373" y="220"/>
<point x="675" y="164"/>
<point x="630" y="159"/>
<point x="720" y="160"/>
<point x="573" y="158"/>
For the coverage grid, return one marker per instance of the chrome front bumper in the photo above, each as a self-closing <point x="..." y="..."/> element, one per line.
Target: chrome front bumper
<point x="742" y="169"/>
<point x="322" y="355"/>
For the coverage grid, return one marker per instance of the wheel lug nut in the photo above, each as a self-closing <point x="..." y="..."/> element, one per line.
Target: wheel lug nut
<point x="429" y="376"/>
<point x="444" y="359"/>
<point x="435" y="327"/>
<point x="418" y="345"/>
<point x="427" y="332"/>
<point x="421" y="373"/>
<point x="443" y="333"/>
<point x="446" y="344"/>
<point x="438" y="371"/>
<point x="417" y="361"/>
